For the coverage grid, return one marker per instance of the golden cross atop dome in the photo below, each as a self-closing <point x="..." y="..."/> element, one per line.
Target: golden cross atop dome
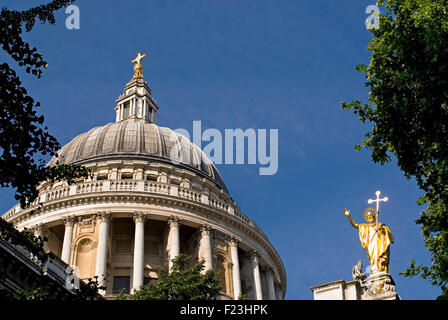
<point x="139" y="58"/>
<point x="138" y="68"/>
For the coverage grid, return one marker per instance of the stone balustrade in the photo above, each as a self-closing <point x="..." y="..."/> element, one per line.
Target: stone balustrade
<point x="87" y="187"/>
<point x="157" y="187"/>
<point x="190" y="194"/>
<point x="123" y="185"/>
<point x="57" y="194"/>
<point x="219" y="204"/>
<point x="207" y="198"/>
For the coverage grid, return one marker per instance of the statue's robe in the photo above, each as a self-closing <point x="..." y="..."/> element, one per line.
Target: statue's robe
<point x="376" y="243"/>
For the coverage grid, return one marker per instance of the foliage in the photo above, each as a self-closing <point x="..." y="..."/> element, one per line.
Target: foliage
<point x="242" y="297"/>
<point x="182" y="283"/>
<point x="122" y="295"/>
<point x="34" y="294"/>
<point x="408" y="105"/>
<point x="22" y="139"/>
<point x="24" y="238"/>
<point x="87" y="291"/>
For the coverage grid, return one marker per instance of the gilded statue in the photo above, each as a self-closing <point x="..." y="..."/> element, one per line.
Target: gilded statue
<point x="375" y="237"/>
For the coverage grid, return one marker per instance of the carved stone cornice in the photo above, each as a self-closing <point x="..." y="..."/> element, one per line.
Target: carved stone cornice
<point x="222" y="237"/>
<point x="86" y="221"/>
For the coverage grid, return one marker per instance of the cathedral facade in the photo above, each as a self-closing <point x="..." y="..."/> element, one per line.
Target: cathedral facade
<point x="139" y="209"/>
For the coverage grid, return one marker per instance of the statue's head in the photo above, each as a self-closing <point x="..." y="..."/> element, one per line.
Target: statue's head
<point x="370" y="215"/>
<point x="360" y="263"/>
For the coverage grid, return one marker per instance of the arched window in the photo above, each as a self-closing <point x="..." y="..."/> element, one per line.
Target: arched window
<point x="85" y="258"/>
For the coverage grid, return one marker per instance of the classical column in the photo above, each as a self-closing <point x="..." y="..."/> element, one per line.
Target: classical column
<point x="271" y="287"/>
<point x="205" y="247"/>
<point x="174" y="242"/>
<point x="279" y="292"/>
<point x="258" y="294"/>
<point x="236" y="268"/>
<point x="68" y="235"/>
<point x="103" y="219"/>
<point x="139" y="250"/>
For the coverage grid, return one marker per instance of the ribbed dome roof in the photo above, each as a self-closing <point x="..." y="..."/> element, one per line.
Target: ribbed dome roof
<point x="136" y="140"/>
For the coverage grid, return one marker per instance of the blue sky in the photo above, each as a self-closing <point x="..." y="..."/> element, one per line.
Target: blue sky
<point x="283" y="65"/>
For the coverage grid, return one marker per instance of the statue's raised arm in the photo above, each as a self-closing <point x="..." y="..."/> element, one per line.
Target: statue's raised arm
<point x="347" y="213"/>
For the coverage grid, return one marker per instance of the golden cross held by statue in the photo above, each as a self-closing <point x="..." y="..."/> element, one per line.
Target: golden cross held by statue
<point x="139" y="58"/>
<point x="377" y="200"/>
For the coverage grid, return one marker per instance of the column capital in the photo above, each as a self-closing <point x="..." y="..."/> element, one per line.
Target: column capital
<point x="254" y="255"/>
<point x="233" y="242"/>
<point x="205" y="229"/>
<point x="139" y="217"/>
<point x="270" y="270"/>
<point x="103" y="216"/>
<point x="69" y="221"/>
<point x="39" y="227"/>
<point x="174" y="221"/>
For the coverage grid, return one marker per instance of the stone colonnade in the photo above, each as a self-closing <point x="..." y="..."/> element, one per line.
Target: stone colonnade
<point x="205" y="252"/>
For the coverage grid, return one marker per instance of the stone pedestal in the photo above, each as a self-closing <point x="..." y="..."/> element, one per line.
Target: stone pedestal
<point x="379" y="286"/>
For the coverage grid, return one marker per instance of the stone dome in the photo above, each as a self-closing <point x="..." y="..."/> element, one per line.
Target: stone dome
<point x="141" y="208"/>
<point x="137" y="140"/>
